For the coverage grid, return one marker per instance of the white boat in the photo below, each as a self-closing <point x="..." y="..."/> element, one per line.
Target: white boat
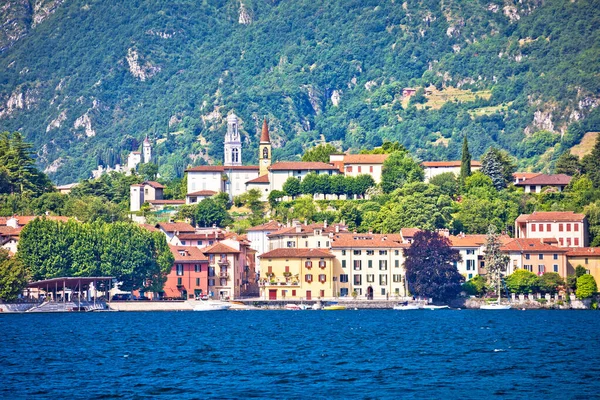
<point x="406" y="307"/>
<point x="297" y="307"/>
<point x="212" y="306"/>
<point x="432" y="307"/>
<point x="495" y="306"/>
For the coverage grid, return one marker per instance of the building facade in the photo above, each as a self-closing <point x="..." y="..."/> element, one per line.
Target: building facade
<point x="536" y="183"/>
<point x="188" y="278"/>
<point x="433" y="168"/>
<point x="144" y="192"/>
<point x="569" y="229"/>
<point x="535" y="255"/>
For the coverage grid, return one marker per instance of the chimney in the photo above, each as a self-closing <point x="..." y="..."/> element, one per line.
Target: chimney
<point x="337" y="228"/>
<point x="298" y="228"/>
<point x="325" y="224"/>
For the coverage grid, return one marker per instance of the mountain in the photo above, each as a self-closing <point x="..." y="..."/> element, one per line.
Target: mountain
<point x="86" y="81"/>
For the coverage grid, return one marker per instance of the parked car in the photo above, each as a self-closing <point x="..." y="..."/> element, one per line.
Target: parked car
<point x="122" y="297"/>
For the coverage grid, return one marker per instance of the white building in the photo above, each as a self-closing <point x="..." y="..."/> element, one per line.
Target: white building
<point x="536" y="183"/>
<point x="433" y="168"/>
<point x="258" y="237"/>
<point x="144" y="192"/>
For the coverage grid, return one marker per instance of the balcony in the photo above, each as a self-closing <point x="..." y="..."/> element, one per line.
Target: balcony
<point x="223" y="261"/>
<point x="224" y="275"/>
<point x="275" y="282"/>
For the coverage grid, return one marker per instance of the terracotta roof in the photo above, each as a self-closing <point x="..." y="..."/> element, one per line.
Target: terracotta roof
<point x="269" y="226"/>
<point x="150" y="228"/>
<point x="525" y="175"/>
<point x="9" y="231"/>
<point x="25" y="219"/>
<point x="526" y="245"/>
<point x="442" y="164"/>
<point x="304" y="229"/>
<point x="190" y="253"/>
<point x="365" y="158"/>
<point x="154" y="184"/>
<point x="201" y="236"/>
<point x="181" y="227"/>
<point x="546" y="180"/>
<point x="365" y="240"/>
<point x="222" y="168"/>
<point x="301" y="166"/>
<point x="219" y="248"/>
<point x="160" y="202"/>
<point x="297" y="253"/>
<point x="409" y="232"/>
<point x="261" y="179"/>
<point x="264" y="136"/>
<point x="584" y="252"/>
<point x="551" y="216"/>
<point x="474" y="240"/>
<point x="206" y="193"/>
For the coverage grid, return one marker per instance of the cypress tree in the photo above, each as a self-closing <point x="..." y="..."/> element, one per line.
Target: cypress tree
<point x="465" y="163"/>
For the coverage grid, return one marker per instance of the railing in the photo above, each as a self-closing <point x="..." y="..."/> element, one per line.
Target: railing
<point x="223" y="261"/>
<point x="224" y="275"/>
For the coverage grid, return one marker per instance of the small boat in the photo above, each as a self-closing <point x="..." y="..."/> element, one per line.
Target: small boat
<point x="432" y="307"/>
<point x="212" y="306"/>
<point x="294" y="307"/>
<point x="495" y="306"/>
<point x="334" y="307"/>
<point x="406" y="307"/>
<point x="317" y="306"/>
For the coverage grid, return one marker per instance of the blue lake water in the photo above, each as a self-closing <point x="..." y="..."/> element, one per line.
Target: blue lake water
<point x="307" y="354"/>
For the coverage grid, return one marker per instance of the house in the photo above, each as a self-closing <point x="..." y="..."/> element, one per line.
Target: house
<point x="372" y="265"/>
<point x="10" y="229"/>
<point x="357" y="164"/>
<point x="160" y="205"/>
<point x="291" y="273"/>
<point x="197" y="197"/>
<point x="535" y="255"/>
<point x="144" y="192"/>
<point x="433" y="168"/>
<point x="408" y="92"/>
<point x="259" y="241"/>
<point x="66" y="189"/>
<point x="173" y="229"/>
<point x="317" y="235"/>
<point x="281" y="171"/>
<point x="201" y="237"/>
<point x="262" y="184"/>
<point x="569" y="229"/>
<point x="522" y="176"/>
<point x="188" y="278"/>
<point x="231" y="269"/>
<point x="408" y="234"/>
<point x="588" y="258"/>
<point x="537" y="183"/>
<point x="472" y="252"/>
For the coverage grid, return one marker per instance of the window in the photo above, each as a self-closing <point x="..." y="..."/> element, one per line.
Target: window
<point x="322" y="278"/>
<point x="568" y="227"/>
<point x="555" y="256"/>
<point x="383" y="279"/>
<point x="470" y="276"/>
<point x="532" y="227"/>
<point x="211" y="271"/>
<point x="179" y="269"/>
<point x="357" y="279"/>
<point x="560" y="227"/>
<point x="540" y="256"/>
<point x="383" y="265"/>
<point x="211" y="282"/>
<point x="306" y="243"/>
<point x="287" y="268"/>
<point x="576" y="227"/>
<point x="358" y="291"/>
<point x="370" y="263"/>
<point x="348" y="169"/>
<point x="359" y="169"/>
<point x="344" y="278"/>
<point x="541" y="269"/>
<point x="308" y="264"/>
<point x="308" y="278"/>
<point x="370" y="252"/>
<point x="396" y="252"/>
<point x="197" y="281"/>
<point x="265" y="152"/>
<point x="357" y="252"/>
<point x="528" y="267"/>
<point x="371" y="168"/>
<point x="269" y="270"/>
<point x="383" y="291"/>
<point x="561" y="240"/>
<point x="397" y="278"/>
<point x="470" y="252"/>
<point x="327" y="243"/>
<point x="344" y="292"/>
<point x="568" y="241"/>
<point x="197" y="268"/>
<point x="370" y="278"/>
<point x="548" y="227"/>
<point x="183" y="242"/>
<point x="555" y="267"/>
<point x="343" y="252"/>
<point x="322" y="264"/>
<point x="290" y="244"/>
<point x="343" y="263"/>
<point x="527" y="256"/>
<point x="357" y="265"/>
<point x="470" y="265"/>
<point x="383" y="252"/>
<point x="318" y="244"/>
<point x="178" y="281"/>
<point x="294" y="293"/>
<point x="541" y="227"/>
<point x="396" y="263"/>
<point x="586" y="261"/>
<point x="576" y="241"/>
<point x="322" y="293"/>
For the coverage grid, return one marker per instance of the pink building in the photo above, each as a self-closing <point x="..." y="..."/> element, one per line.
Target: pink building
<point x="535" y="255"/>
<point x="567" y="228"/>
<point x="189" y="276"/>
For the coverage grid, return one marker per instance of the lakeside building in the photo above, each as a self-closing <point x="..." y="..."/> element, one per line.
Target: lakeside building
<point x="316" y="236"/>
<point x="536" y="183"/>
<point x="569" y="229"/>
<point x="299" y="274"/>
<point x="536" y="255"/>
<point x="433" y="168"/>
<point x="188" y="278"/>
<point x="370" y="264"/>
<point x="257" y="236"/>
<point x="588" y="258"/>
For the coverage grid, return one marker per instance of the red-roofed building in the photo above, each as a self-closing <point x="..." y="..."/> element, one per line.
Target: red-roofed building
<point x="537" y="183"/>
<point x="357" y="164"/>
<point x="588" y="258"/>
<point x="10" y="229"/>
<point x="259" y="241"/>
<point x="281" y="171"/>
<point x="188" y="278"/>
<point x="522" y="176"/>
<point x="472" y="251"/>
<point x="317" y="235"/>
<point x="535" y="256"/>
<point x="197" y="197"/>
<point x="433" y="168"/>
<point x="568" y="228"/>
<point x="144" y="192"/>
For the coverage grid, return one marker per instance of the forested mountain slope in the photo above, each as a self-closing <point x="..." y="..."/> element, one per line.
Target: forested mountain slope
<point x="86" y="81"/>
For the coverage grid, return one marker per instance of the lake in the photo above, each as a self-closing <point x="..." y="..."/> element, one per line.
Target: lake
<point x="469" y="354"/>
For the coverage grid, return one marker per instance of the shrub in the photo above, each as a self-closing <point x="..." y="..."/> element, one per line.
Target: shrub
<point x="586" y="286"/>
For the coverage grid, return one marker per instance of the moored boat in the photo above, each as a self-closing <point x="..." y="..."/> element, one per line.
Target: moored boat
<point x="334" y="307"/>
<point x="495" y="306"/>
<point x="212" y="306"/>
<point x="432" y="307"/>
<point x="406" y="307"/>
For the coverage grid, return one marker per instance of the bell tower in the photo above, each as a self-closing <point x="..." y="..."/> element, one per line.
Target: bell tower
<point x="147" y="150"/>
<point x="264" y="150"/>
<point x="233" y="143"/>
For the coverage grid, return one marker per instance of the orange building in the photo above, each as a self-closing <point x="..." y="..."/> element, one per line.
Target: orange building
<point x="189" y="276"/>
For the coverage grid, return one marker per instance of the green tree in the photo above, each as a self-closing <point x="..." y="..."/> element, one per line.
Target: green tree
<point x="351" y="215"/>
<point x="592" y="212"/>
<point x="430" y="269"/>
<point x="522" y="281"/>
<point x="304" y="208"/>
<point x="399" y="169"/>
<point x="337" y="184"/>
<point x="476" y="286"/>
<point x="148" y="171"/>
<point x="568" y="164"/>
<point x="362" y="183"/>
<point x="446" y="183"/>
<point x="274" y="197"/>
<point x="13" y="276"/>
<point x="386" y="148"/>
<point x="309" y="184"/>
<point x="210" y="212"/>
<point x="550" y="282"/>
<point x="320" y="153"/>
<point x="591" y="163"/>
<point x="586" y="286"/>
<point x="252" y="200"/>
<point x="465" y="162"/>
<point x="292" y="187"/>
<point x="496" y="262"/>
<point x="499" y="166"/>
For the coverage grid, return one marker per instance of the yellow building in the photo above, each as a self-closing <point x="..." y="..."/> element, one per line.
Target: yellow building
<point x="297" y="274"/>
<point x="588" y="258"/>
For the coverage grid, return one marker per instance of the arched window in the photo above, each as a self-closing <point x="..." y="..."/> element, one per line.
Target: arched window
<point x="234" y="155"/>
<point x="265" y="152"/>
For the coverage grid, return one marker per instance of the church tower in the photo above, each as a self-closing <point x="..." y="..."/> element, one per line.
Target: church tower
<point x="147" y="150"/>
<point x="233" y="143"/>
<point x="264" y="150"/>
